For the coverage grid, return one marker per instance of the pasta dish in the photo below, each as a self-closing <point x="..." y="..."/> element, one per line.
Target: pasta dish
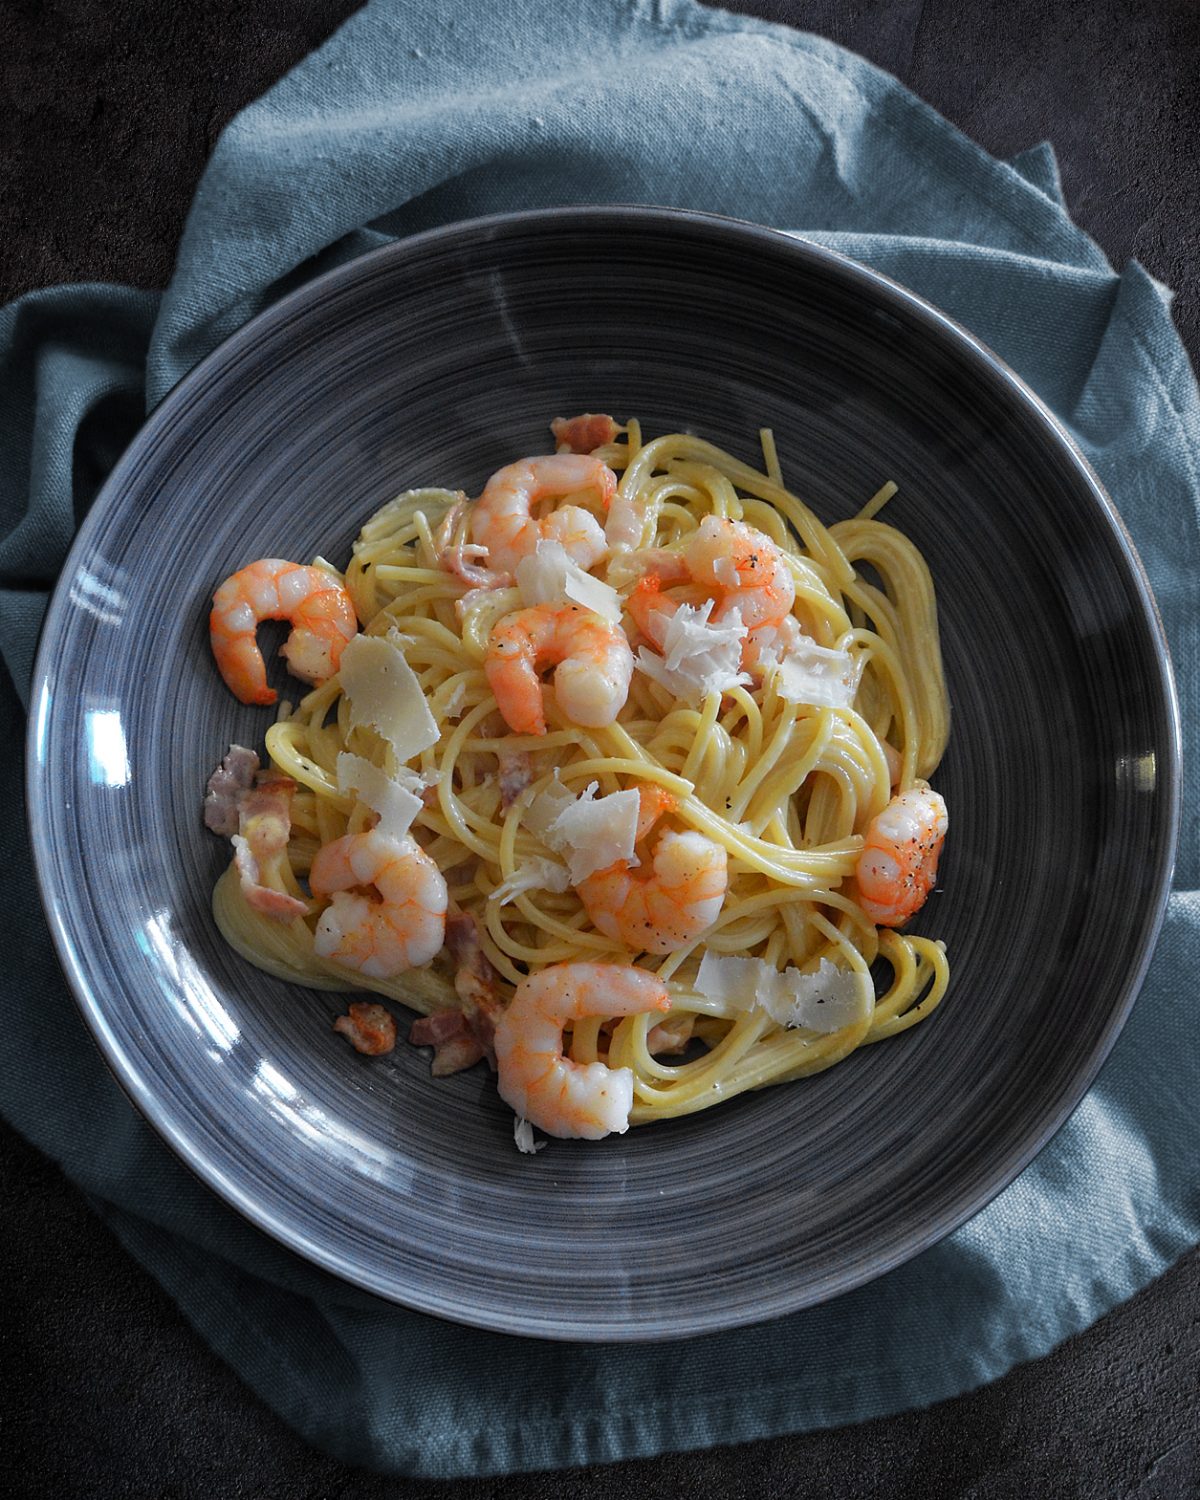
<point x="619" y="775"/>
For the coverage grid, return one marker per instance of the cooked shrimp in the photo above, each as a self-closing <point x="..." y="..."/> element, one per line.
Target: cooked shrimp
<point x="584" y="433"/>
<point x="558" y="1096"/>
<point x="503" y="521"/>
<point x="897" y="865"/>
<point x="744" y="569"/>
<point x="727" y="561"/>
<point x="400" y="928"/>
<point x="315" y="602"/>
<point x="593" y="666"/>
<point x="672" y="903"/>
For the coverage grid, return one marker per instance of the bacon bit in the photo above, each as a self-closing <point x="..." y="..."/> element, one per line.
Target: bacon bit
<point x="459" y="1038"/>
<point x="264" y="823"/>
<point x="516" y="773"/>
<point x="462" y="558"/>
<point x="233" y="777"/>
<point x="448" y="1033"/>
<point x="584" y="433"/>
<point x="369" y="1028"/>
<point x="670" y="1037"/>
<point x="432" y="1031"/>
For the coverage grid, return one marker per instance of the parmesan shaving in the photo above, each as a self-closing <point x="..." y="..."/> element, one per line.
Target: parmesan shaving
<point x="697" y="657"/>
<point x="536" y="874"/>
<point x="549" y="576"/>
<point x="385" y="695"/>
<point x="590" y="832"/>
<point x="546" y="806"/>
<point x="393" y="798"/>
<point x="828" y="1000"/>
<point x="812" y="674"/>
<point x="523" y="1135"/>
<point x="825" y="1001"/>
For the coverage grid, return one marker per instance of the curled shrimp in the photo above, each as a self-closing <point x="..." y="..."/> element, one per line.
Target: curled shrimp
<point x="559" y="1096"/>
<point x="503" y="520"/>
<point x="401" y="927"/>
<point x="317" y="604"/>
<point x="727" y="561"/>
<point x="670" y="904"/>
<point x="592" y="660"/>
<point x="897" y="864"/>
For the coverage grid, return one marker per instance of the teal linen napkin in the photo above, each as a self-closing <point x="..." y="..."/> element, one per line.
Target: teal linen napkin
<point x="414" y="115"/>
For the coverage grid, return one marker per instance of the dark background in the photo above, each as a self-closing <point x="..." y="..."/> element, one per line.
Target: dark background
<point x="107" y="115"/>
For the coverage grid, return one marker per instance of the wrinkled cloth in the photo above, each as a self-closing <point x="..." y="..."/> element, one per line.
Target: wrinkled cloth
<point x="414" y="115"/>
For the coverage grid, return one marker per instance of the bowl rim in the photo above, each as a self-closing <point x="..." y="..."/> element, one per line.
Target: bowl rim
<point x="190" y="1148"/>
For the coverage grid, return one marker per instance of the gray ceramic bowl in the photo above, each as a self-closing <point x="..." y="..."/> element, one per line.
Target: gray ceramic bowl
<point x="432" y="362"/>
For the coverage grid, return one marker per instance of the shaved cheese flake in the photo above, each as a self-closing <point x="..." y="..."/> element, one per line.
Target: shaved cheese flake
<point x="536" y="874"/>
<point x="825" y="1001"/>
<point x="828" y="1000"/>
<point x="697" y="657"/>
<point x="817" y="675"/>
<point x="391" y="798"/>
<point x="384" y="693"/>
<point x="523" y="1135"/>
<point x="549" y="576"/>
<point x="593" y="834"/>
<point x="735" y="982"/>
<point x="542" y="812"/>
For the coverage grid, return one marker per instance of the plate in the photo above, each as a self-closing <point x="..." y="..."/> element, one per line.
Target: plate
<point x="433" y="362"/>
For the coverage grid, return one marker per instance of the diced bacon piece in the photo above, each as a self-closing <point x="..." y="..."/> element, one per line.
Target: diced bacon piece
<point x="369" y="1028"/>
<point x="475" y="981"/>
<point x="462" y="558"/>
<point x="584" y="433"/>
<point x="233" y="777"/>
<point x="448" y="1032"/>
<point x="516" y="773"/>
<point x="432" y="1031"/>
<point x="264" y="822"/>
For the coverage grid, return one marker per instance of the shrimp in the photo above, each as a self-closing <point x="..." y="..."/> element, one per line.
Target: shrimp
<point x="897" y="865"/>
<point x="316" y="603"/>
<point x="558" y="1096"/>
<point x="744" y="568"/>
<point x="672" y="903"/>
<point x="727" y="561"/>
<point x="503" y="522"/>
<point x="592" y="673"/>
<point x="402" y="928"/>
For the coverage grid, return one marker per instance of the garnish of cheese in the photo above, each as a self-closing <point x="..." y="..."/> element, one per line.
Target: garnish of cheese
<point x="590" y="832"/>
<point x="523" y="1136"/>
<point x="548" y="576"/>
<point x="812" y="674"/>
<point x="536" y="874"/>
<point x="384" y="693"/>
<point x="393" y="798"/>
<point x="697" y="656"/>
<point x="824" y="1001"/>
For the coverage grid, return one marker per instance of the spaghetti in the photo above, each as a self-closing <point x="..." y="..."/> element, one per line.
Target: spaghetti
<point x="789" y="757"/>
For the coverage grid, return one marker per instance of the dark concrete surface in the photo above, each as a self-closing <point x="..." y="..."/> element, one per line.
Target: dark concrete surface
<point x="107" y="114"/>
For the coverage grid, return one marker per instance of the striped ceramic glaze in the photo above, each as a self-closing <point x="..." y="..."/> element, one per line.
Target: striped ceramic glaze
<point x="432" y="363"/>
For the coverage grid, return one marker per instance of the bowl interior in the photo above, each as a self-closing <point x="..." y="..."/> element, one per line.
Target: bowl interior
<point x="434" y="362"/>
